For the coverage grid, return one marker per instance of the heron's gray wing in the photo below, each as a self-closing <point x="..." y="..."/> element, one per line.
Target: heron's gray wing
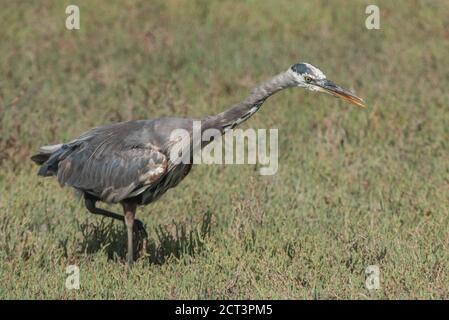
<point x="111" y="169"/>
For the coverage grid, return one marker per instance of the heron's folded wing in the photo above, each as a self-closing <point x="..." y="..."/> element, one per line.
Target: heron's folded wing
<point x="112" y="172"/>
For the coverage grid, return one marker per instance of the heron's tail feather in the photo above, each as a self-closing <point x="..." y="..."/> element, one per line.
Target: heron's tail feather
<point x="47" y="158"/>
<point x="40" y="158"/>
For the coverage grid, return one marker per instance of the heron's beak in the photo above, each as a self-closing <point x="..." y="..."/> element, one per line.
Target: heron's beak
<point x="331" y="88"/>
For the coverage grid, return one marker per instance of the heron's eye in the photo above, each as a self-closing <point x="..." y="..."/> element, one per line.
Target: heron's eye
<point x="308" y="79"/>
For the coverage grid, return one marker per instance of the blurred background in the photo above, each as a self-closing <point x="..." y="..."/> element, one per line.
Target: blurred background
<point x="354" y="187"/>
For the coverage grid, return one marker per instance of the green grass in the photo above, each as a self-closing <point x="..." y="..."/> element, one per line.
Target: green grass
<point x="354" y="187"/>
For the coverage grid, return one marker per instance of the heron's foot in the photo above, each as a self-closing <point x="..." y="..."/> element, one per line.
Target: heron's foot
<point x="129" y="259"/>
<point x="141" y="237"/>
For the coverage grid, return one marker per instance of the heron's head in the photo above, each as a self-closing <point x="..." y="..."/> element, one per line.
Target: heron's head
<point x="307" y="76"/>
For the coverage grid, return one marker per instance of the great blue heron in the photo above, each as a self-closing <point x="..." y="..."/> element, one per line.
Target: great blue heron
<point x="129" y="162"/>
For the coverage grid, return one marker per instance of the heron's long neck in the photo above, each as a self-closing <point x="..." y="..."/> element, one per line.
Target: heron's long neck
<point x="240" y="112"/>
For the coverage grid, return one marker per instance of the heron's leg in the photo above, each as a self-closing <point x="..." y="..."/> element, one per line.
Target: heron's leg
<point x="90" y="205"/>
<point x="130" y="212"/>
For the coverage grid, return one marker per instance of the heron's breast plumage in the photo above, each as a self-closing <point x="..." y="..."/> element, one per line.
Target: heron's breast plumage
<point x="169" y="180"/>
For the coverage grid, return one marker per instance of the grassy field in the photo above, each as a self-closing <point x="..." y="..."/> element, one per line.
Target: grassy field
<point x="354" y="187"/>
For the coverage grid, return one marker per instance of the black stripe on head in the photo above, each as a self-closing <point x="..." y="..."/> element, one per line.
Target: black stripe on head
<point x="301" y="68"/>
